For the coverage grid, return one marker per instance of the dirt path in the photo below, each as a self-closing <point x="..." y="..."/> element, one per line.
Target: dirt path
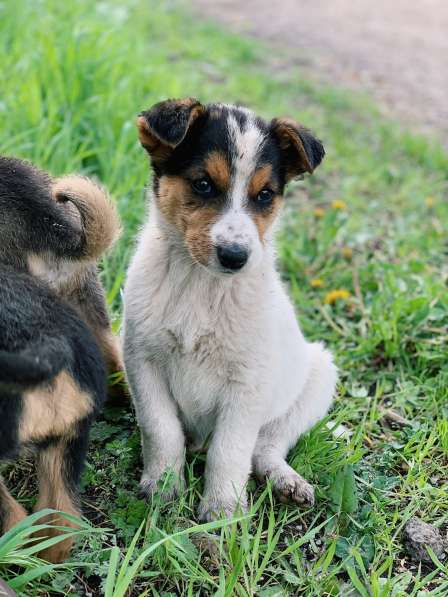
<point x="396" y="50"/>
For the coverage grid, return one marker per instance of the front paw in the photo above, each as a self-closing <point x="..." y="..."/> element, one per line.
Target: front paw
<point x="167" y="486"/>
<point x="215" y="507"/>
<point x="294" y="488"/>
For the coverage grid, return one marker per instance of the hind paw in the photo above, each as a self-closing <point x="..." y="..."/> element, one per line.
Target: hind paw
<point x="291" y="487"/>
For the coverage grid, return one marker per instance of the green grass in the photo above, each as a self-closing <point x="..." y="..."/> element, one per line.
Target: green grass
<point x="73" y="77"/>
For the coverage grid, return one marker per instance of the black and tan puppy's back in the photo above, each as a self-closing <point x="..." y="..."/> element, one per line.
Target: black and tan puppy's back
<point x="53" y="329"/>
<point x="56" y="229"/>
<point x="52" y="383"/>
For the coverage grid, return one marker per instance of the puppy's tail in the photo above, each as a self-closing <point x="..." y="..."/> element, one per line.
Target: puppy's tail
<point x="100" y="221"/>
<point x="32" y="366"/>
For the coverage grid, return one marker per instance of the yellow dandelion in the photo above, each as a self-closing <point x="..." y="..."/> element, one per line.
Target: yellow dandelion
<point x="338" y="204"/>
<point x="347" y="252"/>
<point x="429" y="201"/>
<point x="332" y="296"/>
<point x="319" y="212"/>
<point x="317" y="283"/>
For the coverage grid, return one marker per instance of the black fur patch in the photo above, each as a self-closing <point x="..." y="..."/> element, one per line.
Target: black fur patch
<point x="313" y="148"/>
<point x="35" y="326"/>
<point x="300" y="151"/>
<point x="169" y="120"/>
<point x="30" y="220"/>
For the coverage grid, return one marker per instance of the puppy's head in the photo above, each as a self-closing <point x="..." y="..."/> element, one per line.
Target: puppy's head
<point x="219" y="176"/>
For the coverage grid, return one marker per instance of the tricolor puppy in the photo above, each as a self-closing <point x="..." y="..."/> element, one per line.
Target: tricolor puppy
<point x="52" y="319"/>
<point x="213" y="350"/>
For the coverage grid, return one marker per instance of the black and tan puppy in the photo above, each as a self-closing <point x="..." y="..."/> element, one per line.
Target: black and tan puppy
<point x="56" y="229"/>
<point x="53" y="329"/>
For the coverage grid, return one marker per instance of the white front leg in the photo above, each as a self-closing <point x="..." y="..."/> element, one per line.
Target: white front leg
<point x="161" y="430"/>
<point x="229" y="457"/>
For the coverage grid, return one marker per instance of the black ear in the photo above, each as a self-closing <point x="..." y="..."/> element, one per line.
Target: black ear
<point x="166" y="124"/>
<point x="302" y="152"/>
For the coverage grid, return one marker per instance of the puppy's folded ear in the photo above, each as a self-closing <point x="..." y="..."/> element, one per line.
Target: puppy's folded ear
<point x="164" y="126"/>
<point x="301" y="151"/>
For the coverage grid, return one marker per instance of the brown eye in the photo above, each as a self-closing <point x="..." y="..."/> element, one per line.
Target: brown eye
<point x="264" y="197"/>
<point x="203" y="187"/>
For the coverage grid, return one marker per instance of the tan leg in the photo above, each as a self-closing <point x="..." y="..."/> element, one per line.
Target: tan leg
<point x="55" y="493"/>
<point x="11" y="512"/>
<point x="111" y="349"/>
<point x="110" y="345"/>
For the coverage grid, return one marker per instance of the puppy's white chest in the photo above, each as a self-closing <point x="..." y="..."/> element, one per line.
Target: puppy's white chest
<point x="197" y="346"/>
<point x="197" y="371"/>
<point x="205" y="340"/>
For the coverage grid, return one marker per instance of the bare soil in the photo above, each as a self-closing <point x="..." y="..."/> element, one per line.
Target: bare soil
<point x="395" y="50"/>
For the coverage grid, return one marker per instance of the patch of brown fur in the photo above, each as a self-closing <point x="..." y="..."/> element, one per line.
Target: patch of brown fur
<point x="99" y="216"/>
<point x="264" y="219"/>
<point x="110" y="347"/>
<point x="178" y="204"/>
<point x="197" y="234"/>
<point x="53" y="493"/>
<point x="62" y="275"/>
<point x="288" y="134"/>
<point x="11" y="512"/>
<point x="260" y="180"/>
<point x="153" y="145"/>
<point x="79" y="285"/>
<point x="53" y="410"/>
<point x="218" y="169"/>
<point x="172" y="198"/>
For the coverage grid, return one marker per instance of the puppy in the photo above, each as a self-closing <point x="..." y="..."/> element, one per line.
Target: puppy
<point x="70" y="269"/>
<point x="52" y="373"/>
<point x="212" y="346"/>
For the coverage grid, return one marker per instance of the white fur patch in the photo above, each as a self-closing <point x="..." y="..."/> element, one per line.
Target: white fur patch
<point x="236" y="225"/>
<point x="247" y="144"/>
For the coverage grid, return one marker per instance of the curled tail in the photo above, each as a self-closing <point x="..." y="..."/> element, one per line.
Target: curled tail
<point x="32" y="366"/>
<point x="99" y="215"/>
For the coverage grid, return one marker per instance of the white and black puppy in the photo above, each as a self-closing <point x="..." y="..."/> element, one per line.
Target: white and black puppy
<point x="213" y="350"/>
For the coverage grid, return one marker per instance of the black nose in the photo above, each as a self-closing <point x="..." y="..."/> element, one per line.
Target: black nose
<point x="232" y="256"/>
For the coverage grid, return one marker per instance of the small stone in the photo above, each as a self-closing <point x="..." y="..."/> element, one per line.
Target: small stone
<point x="418" y="535"/>
<point x="6" y="591"/>
<point x="209" y="548"/>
